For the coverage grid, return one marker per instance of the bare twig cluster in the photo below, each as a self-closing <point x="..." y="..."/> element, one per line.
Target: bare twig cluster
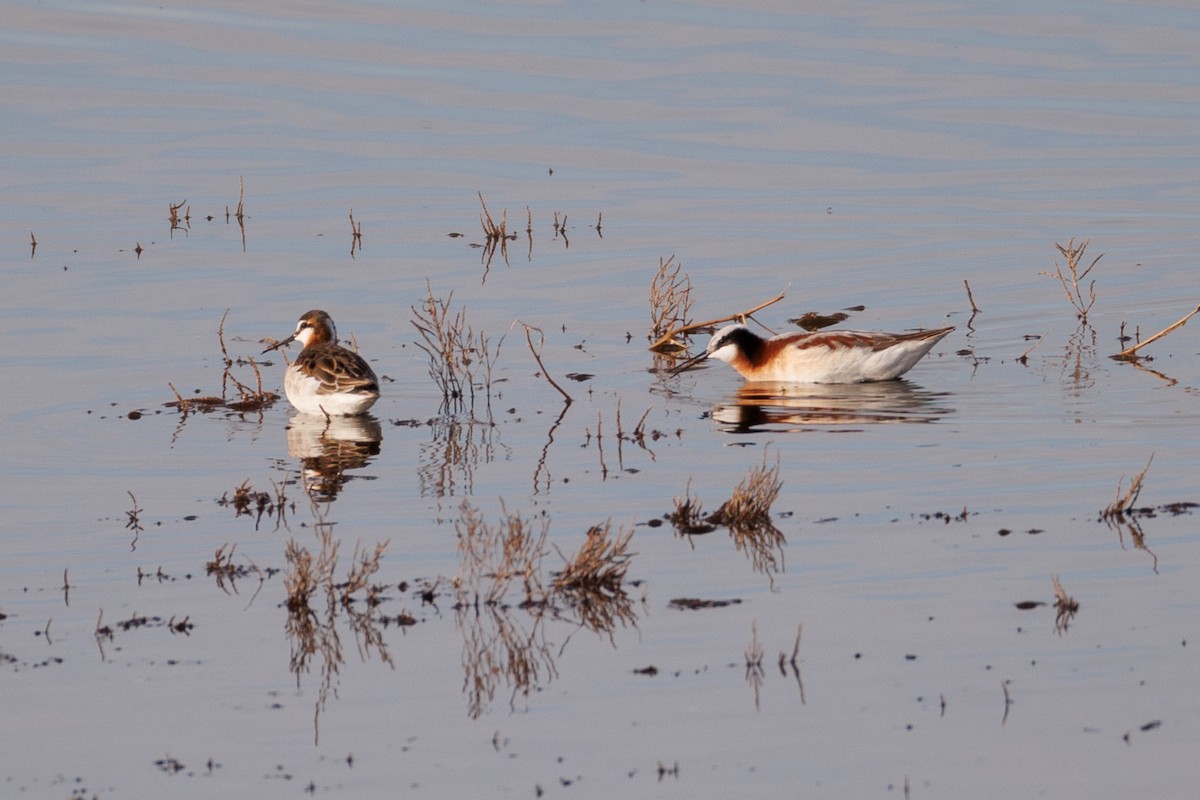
<point x="1065" y="607"/>
<point x="1125" y="501"/>
<point x="747" y="515"/>
<point x="179" y="223"/>
<point x="246" y="501"/>
<point x="459" y="359"/>
<point x="496" y="236"/>
<point x="249" y="398"/>
<point x="1072" y="282"/>
<point x="750" y="506"/>
<point x="670" y="301"/>
<point x="600" y="565"/>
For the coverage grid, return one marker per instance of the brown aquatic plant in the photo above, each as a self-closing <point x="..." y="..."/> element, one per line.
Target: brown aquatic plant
<point x="670" y="300"/>
<point x="754" y="667"/>
<point x="689" y="517"/>
<point x="178" y="223"/>
<point x="496" y="236"/>
<point x="537" y="356"/>
<point x="750" y="506"/>
<point x="747" y="515"/>
<point x="601" y="563"/>
<point x="1065" y="607"/>
<point x="1072" y="281"/>
<point x="249" y="398"/>
<point x="459" y="358"/>
<point x="1124" y="501"/>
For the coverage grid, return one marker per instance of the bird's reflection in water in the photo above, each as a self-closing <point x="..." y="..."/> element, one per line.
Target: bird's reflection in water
<point x="768" y="405"/>
<point x="328" y="448"/>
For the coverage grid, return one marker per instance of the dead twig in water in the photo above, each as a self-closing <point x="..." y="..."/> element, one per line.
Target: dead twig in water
<point x="665" y="341"/>
<point x="971" y="298"/>
<point x="1129" y="353"/>
<point x="538" y="358"/>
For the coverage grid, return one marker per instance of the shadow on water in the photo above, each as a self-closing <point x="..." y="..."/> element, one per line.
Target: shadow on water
<point x="793" y="407"/>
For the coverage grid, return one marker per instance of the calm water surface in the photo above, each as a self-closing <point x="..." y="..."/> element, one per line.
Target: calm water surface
<point x="850" y="154"/>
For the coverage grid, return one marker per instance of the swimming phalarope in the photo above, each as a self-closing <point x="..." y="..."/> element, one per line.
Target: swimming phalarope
<point x="820" y="357"/>
<point x="326" y="378"/>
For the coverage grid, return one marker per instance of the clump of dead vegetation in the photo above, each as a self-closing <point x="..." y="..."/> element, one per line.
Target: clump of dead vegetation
<point x="1123" y="504"/>
<point x="459" y="358"/>
<point x="593" y="580"/>
<point x="600" y="565"/>
<point x="747" y="515"/>
<point x="1065" y="607"/>
<point x="247" y="501"/>
<point x="249" y="398"/>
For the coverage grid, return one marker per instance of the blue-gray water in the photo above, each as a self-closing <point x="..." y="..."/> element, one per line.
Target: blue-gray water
<point x="859" y="153"/>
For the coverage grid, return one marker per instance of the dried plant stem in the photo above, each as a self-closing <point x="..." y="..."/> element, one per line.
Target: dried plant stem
<point x="971" y="297"/>
<point x="1074" y="256"/>
<point x="1124" y="502"/>
<point x="665" y="339"/>
<point x="1128" y="354"/>
<point x="537" y="357"/>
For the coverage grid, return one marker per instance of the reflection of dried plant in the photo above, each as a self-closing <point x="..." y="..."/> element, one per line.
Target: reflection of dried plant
<point x="1074" y="255"/>
<point x="496" y="648"/>
<point x="490" y="558"/>
<point x="449" y="458"/>
<point x="764" y="544"/>
<point x="225" y="571"/>
<point x="457" y="356"/>
<point x="307" y="573"/>
<point x="754" y="667"/>
<point x="670" y="299"/>
<point x="1123" y="503"/>
<point x="1136" y="535"/>
<point x="312" y="634"/>
<point x="1065" y="607"/>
